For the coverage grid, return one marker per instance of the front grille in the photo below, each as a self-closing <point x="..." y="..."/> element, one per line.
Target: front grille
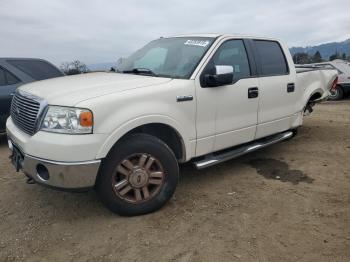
<point x="24" y="112"/>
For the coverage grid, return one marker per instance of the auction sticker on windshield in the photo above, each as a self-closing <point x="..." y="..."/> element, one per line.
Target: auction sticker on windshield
<point x="197" y="43"/>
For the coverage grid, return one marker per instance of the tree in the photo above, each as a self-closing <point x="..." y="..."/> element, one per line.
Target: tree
<point x="301" y="58"/>
<point x="334" y="56"/>
<point x="343" y="56"/>
<point x="73" y="68"/>
<point x="317" y="58"/>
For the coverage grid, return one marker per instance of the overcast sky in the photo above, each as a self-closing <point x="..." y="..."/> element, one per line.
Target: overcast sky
<point x="96" y="31"/>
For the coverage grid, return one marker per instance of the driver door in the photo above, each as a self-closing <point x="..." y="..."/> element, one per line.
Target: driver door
<point x="232" y="108"/>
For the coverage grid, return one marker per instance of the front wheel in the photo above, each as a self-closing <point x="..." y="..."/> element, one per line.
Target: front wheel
<point x="138" y="176"/>
<point x="336" y="94"/>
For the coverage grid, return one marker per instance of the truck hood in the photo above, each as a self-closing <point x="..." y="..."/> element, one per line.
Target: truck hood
<point x="70" y="90"/>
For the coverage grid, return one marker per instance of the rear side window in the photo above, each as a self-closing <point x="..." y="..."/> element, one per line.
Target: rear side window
<point x="37" y="69"/>
<point x="272" y="59"/>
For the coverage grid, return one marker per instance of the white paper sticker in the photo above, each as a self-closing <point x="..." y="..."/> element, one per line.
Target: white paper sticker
<point x="202" y="43"/>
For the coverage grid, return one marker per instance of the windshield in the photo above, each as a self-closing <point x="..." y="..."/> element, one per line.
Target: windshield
<point x="175" y="57"/>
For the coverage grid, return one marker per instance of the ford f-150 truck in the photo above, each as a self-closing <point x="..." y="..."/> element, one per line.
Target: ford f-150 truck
<point x="200" y="98"/>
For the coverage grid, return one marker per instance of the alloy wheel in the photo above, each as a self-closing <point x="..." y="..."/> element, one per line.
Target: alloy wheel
<point x="138" y="178"/>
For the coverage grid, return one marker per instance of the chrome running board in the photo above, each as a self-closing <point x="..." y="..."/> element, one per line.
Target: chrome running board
<point x="214" y="159"/>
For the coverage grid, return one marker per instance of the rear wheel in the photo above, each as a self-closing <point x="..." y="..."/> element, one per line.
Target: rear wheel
<point x="138" y="176"/>
<point x="336" y="94"/>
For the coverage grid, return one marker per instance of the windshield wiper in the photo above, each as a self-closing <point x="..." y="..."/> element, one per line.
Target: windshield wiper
<point x="140" y="70"/>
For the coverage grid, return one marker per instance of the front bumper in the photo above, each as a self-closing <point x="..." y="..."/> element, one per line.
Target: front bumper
<point x="69" y="160"/>
<point x="60" y="175"/>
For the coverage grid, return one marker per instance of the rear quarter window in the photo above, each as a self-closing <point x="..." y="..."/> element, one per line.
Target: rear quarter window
<point x="271" y="57"/>
<point x="37" y="69"/>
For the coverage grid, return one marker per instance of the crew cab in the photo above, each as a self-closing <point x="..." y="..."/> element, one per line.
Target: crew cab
<point x="199" y="98"/>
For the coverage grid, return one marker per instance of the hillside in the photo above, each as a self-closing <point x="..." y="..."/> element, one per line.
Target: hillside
<point x="326" y="50"/>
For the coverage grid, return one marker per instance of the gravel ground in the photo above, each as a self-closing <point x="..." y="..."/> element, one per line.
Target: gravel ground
<point x="288" y="202"/>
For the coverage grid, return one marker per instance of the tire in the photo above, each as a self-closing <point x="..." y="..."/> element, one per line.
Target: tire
<point x="337" y="94"/>
<point x="137" y="162"/>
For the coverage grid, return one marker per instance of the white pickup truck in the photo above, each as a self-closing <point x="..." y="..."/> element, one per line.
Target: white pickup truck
<point x="200" y="98"/>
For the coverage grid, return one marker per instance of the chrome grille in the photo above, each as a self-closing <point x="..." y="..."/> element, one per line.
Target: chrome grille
<point x="24" y="112"/>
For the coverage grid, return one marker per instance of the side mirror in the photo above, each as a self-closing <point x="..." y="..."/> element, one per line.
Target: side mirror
<point x="223" y="76"/>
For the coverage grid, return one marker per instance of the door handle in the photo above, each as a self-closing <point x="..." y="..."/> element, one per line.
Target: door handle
<point x="253" y="92"/>
<point x="184" y="98"/>
<point x="290" y="87"/>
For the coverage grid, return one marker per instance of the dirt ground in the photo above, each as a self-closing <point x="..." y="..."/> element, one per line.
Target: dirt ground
<point x="288" y="202"/>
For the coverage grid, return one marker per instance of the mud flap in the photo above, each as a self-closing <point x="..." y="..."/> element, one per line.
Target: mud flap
<point x="309" y="108"/>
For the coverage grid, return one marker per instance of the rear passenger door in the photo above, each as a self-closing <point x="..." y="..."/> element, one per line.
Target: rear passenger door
<point x="277" y="89"/>
<point x="8" y="85"/>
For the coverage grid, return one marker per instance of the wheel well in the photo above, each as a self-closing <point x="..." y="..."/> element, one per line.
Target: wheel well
<point x="165" y="133"/>
<point x="315" y="96"/>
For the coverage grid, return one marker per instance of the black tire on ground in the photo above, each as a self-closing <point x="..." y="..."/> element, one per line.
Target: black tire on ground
<point x="337" y="94"/>
<point x="137" y="200"/>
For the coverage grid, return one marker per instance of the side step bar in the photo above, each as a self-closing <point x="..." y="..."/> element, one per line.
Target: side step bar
<point x="214" y="159"/>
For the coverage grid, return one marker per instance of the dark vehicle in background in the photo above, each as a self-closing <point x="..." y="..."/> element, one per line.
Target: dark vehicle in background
<point x="17" y="71"/>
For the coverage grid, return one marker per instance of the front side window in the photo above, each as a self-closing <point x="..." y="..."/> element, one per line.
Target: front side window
<point x="175" y="57"/>
<point x="232" y="53"/>
<point x="272" y="59"/>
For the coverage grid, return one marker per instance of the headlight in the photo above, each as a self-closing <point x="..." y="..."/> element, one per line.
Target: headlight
<point x="68" y="120"/>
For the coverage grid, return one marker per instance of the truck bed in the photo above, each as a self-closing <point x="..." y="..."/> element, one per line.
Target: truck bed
<point x="315" y="81"/>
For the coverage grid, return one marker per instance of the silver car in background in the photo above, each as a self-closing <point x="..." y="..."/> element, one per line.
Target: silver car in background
<point x="343" y="68"/>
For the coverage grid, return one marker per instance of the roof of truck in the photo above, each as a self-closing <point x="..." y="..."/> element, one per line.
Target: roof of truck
<point x="224" y="35"/>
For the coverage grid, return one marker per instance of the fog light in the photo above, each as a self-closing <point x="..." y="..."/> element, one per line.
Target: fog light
<point x="42" y="171"/>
